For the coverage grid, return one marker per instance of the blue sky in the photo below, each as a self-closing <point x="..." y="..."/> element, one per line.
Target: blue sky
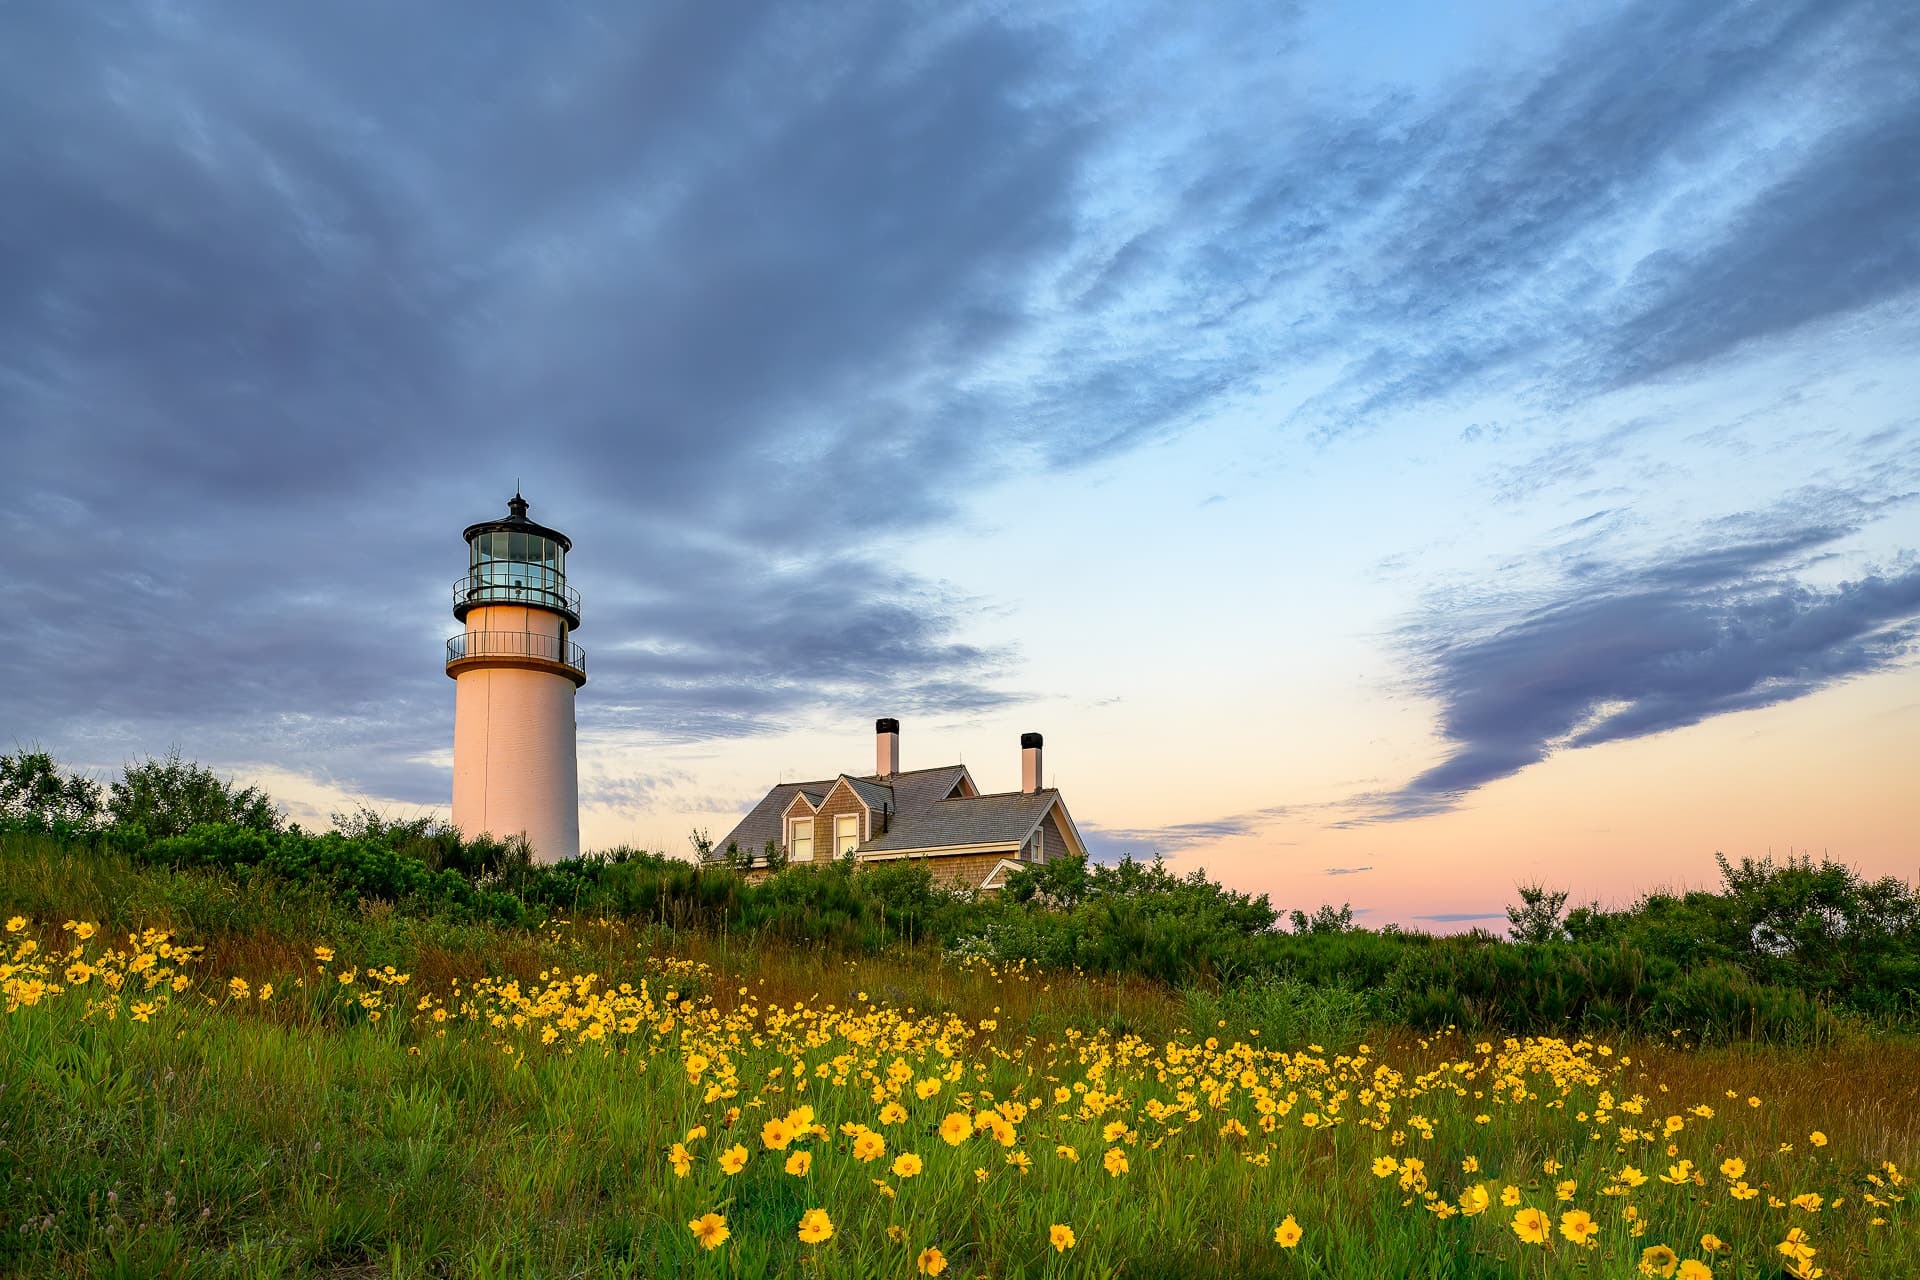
<point x="1359" y="436"/>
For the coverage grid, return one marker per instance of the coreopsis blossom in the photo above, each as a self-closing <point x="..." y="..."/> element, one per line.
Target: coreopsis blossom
<point x="681" y="1160"/>
<point x="931" y="1262"/>
<point x="1475" y="1201"/>
<point x="1509" y="1195"/>
<point x="1817" y="1138"/>
<point x="815" y="1226"/>
<point x="1658" y="1260"/>
<point x="906" y="1165"/>
<point x="869" y="1146"/>
<point x="1385" y="1166"/>
<point x="893" y="1113"/>
<point x="956" y="1128"/>
<point x="776" y="1134"/>
<point x="710" y="1229"/>
<point x="1067" y="1153"/>
<point x="1810" y="1201"/>
<point x="733" y="1159"/>
<point x="16" y="923"/>
<point x="1694" y="1269"/>
<point x="1115" y="1161"/>
<point x="1578" y="1226"/>
<point x="1532" y="1226"/>
<point x="1060" y="1236"/>
<point x="1288" y="1233"/>
<point x="1712" y="1243"/>
<point x="800" y="1163"/>
<point x="323" y="954"/>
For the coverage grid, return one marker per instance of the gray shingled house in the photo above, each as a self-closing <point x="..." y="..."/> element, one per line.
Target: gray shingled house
<point x="969" y="840"/>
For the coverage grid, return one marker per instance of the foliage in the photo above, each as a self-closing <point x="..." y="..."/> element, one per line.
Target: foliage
<point x="1537" y="917"/>
<point x="34" y="791"/>
<point x="167" y="796"/>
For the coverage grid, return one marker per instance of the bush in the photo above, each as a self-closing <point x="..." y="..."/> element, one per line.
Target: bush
<point x="168" y="796"/>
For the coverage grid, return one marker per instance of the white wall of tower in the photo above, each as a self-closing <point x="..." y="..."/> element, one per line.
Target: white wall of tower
<point x="514" y="765"/>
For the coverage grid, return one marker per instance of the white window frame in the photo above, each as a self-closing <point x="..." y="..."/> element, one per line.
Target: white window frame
<point x="794" y="827"/>
<point x="840" y="844"/>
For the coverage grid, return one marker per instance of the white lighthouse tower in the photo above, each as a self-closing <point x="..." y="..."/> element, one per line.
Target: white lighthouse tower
<point x="515" y="671"/>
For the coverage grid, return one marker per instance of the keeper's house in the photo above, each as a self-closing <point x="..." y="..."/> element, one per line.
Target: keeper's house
<point x="968" y="840"/>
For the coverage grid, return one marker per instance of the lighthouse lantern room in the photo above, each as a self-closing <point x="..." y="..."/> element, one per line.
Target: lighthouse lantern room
<point x="515" y="670"/>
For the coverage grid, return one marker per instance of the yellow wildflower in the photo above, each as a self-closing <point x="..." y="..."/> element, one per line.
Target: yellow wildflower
<point x="1288" y="1233"/>
<point x="710" y="1229"/>
<point x="815" y="1226"/>
<point x="931" y="1262"/>
<point x="800" y="1163"/>
<point x="1060" y="1237"/>
<point x="906" y="1165"/>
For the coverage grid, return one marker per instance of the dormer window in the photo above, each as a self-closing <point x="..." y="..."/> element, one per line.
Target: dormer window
<point x="800" y="840"/>
<point x="846" y="833"/>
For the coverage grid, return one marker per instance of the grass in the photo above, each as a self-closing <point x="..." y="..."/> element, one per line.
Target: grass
<point x="510" y="1108"/>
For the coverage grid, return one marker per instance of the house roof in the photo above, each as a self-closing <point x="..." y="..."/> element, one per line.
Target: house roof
<point x="904" y="791"/>
<point x="1006" y="818"/>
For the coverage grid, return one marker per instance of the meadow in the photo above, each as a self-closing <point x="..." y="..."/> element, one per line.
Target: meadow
<point x="211" y="1066"/>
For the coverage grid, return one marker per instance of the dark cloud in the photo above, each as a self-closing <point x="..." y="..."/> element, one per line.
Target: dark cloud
<point x="745" y="296"/>
<point x="1461" y="917"/>
<point x="1626" y="650"/>
<point x="1346" y="871"/>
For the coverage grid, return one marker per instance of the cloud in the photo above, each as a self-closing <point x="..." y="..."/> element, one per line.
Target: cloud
<point x="750" y="299"/>
<point x="1461" y="917"/>
<point x="1346" y="871"/>
<point x="1616" y="651"/>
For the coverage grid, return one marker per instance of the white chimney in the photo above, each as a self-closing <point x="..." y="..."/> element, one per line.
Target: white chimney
<point x="1029" y="762"/>
<point x="886" y="747"/>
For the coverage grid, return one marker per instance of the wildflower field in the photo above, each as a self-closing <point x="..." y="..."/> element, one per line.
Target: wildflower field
<point x="593" y="1099"/>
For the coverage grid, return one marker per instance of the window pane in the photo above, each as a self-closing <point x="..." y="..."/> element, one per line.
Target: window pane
<point x="846" y="832"/>
<point x="517" y="547"/>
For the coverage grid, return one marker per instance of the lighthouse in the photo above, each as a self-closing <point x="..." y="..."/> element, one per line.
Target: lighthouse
<point x="515" y="671"/>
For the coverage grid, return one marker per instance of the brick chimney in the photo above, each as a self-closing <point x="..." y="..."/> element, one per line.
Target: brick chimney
<point x="886" y="747"/>
<point x="1029" y="762"/>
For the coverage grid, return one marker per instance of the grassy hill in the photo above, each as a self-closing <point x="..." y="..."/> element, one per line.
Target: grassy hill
<point x="235" y="1049"/>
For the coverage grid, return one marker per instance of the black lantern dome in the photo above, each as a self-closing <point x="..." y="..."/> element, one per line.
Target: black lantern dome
<point x="515" y="561"/>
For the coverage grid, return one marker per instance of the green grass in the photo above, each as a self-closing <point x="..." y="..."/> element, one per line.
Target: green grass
<point x="303" y="1135"/>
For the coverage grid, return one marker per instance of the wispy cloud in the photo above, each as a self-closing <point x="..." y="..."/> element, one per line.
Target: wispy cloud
<point x="1619" y="650"/>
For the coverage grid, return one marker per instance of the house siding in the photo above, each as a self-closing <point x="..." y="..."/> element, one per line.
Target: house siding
<point x="842" y="800"/>
<point x="1056" y="842"/>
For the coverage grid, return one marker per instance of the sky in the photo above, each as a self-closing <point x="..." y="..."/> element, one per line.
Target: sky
<point x="1393" y="452"/>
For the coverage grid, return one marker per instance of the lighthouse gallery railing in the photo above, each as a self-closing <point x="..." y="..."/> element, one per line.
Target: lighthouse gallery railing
<point x="516" y="644"/>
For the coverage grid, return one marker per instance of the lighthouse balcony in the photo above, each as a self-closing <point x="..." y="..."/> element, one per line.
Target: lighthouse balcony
<point x="498" y="583"/>
<point x="472" y="649"/>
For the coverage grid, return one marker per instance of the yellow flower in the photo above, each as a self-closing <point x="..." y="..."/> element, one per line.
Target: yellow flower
<point x="733" y="1159"/>
<point x="815" y="1226"/>
<point x="1020" y="1160"/>
<point x="1692" y="1269"/>
<point x="1658" y="1260"/>
<point x="142" y="1012"/>
<point x="1475" y="1201"/>
<point x="1741" y="1191"/>
<point x="775" y="1134"/>
<point x="894" y="1113"/>
<point x="710" y="1229"/>
<point x="1385" y="1167"/>
<point x="956" y="1128"/>
<point x="1817" y="1138"/>
<point x="1532" y="1226"/>
<point x="1810" y="1201"/>
<point x="1115" y="1161"/>
<point x="931" y="1262"/>
<point x="1564" y="1190"/>
<point x="906" y="1164"/>
<point x="238" y="988"/>
<point x="1510" y="1195"/>
<point x="1733" y="1168"/>
<point x="897" y="1233"/>
<point x="83" y="930"/>
<point x="78" y="973"/>
<point x="1578" y="1226"/>
<point x="1288" y="1233"/>
<point x="16" y="923"/>
<point x="681" y="1160"/>
<point x="1630" y="1177"/>
<point x="1712" y="1243"/>
<point x="696" y="1063"/>
<point x="1060" y="1237"/>
<point x="800" y="1163"/>
<point x="1067" y="1153"/>
<point x="323" y="954"/>
<point x="869" y="1146"/>
<point x="266" y="991"/>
